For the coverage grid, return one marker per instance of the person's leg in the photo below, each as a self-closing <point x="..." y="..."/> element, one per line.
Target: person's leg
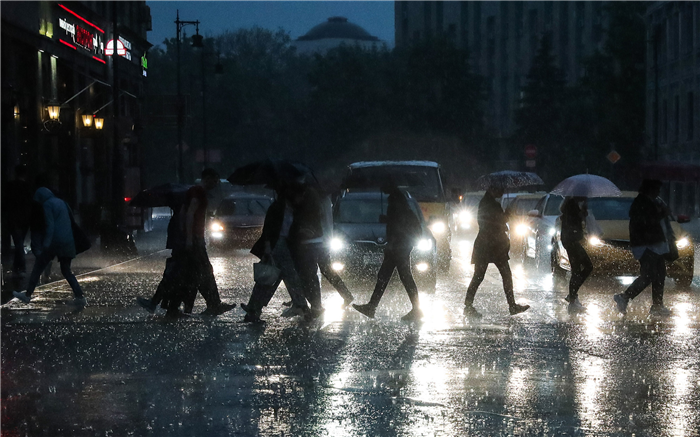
<point x="581" y="268"/>
<point x="477" y="279"/>
<point x="290" y="276"/>
<point x="324" y="264"/>
<point x="70" y="277"/>
<point x="204" y="276"/>
<point x="383" y="276"/>
<point x="507" y="277"/>
<point x="18" y="236"/>
<point x="306" y="263"/>
<point x="647" y="271"/>
<point x="165" y="282"/>
<point x="403" y="266"/>
<point x="40" y="263"/>
<point x="658" y="279"/>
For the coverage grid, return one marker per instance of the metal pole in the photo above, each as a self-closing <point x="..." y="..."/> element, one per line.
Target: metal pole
<point x="204" y="112"/>
<point x="180" y="166"/>
<point x="117" y="161"/>
<point x="656" y="92"/>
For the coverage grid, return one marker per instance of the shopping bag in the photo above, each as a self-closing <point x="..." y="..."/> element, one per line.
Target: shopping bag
<point x="80" y="238"/>
<point x="265" y="273"/>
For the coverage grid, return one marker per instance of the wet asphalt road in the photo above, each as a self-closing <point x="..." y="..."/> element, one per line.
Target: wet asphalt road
<point x="115" y="370"/>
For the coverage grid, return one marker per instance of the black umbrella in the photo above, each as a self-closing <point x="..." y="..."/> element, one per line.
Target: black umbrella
<point x="273" y="173"/>
<point x="169" y="194"/>
<point x="509" y="179"/>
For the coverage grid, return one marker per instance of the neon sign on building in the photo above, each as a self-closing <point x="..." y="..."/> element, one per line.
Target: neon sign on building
<point x="78" y="33"/>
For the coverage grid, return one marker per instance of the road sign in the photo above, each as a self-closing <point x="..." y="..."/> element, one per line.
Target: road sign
<point x="613" y="157"/>
<point x="530" y="151"/>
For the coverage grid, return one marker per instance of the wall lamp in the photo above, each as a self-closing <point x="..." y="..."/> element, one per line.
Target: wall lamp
<point x="99" y="123"/>
<point x="54" y="111"/>
<point x="87" y="120"/>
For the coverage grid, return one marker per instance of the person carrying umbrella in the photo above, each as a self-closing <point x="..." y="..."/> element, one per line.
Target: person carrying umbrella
<point x="574" y="211"/>
<point x="491" y="246"/>
<point x="649" y="244"/>
<point x="402" y="231"/>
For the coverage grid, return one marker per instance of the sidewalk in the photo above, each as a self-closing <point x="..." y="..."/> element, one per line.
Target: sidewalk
<point x="91" y="260"/>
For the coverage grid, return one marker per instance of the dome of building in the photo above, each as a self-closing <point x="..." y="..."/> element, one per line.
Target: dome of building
<point x="339" y="28"/>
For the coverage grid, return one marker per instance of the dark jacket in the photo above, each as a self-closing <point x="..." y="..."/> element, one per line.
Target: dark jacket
<point x="308" y="217"/>
<point x="645" y="222"/>
<point x="271" y="227"/>
<point x="492" y="243"/>
<point x="571" y="222"/>
<point x="402" y="226"/>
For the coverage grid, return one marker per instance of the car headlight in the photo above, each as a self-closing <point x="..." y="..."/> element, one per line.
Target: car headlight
<point x="595" y="241"/>
<point x="465" y="217"/>
<point x="683" y="242"/>
<point x="552" y="231"/>
<point x="337" y="244"/>
<point x="337" y="266"/>
<point x="438" y="227"/>
<point x="521" y="229"/>
<point x="217" y="235"/>
<point x="422" y="267"/>
<point x="425" y="244"/>
<point x="217" y="227"/>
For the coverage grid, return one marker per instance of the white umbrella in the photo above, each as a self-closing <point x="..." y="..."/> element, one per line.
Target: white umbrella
<point x="586" y="185"/>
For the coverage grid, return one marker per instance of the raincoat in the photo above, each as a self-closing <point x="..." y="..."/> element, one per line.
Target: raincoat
<point x="58" y="234"/>
<point x="492" y="243"/>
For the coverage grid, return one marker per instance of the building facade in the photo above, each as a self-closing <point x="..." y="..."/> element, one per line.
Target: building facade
<point x="502" y="39"/>
<point x="672" y="100"/>
<point x="333" y="33"/>
<point x="60" y="55"/>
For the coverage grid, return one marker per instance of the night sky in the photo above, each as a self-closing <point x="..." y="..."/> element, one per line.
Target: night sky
<point x="295" y="17"/>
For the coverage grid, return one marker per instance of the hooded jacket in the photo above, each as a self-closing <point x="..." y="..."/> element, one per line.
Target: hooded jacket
<point x="58" y="234"/>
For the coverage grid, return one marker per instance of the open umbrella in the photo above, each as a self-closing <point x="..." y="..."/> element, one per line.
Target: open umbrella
<point x="586" y="185"/>
<point x="272" y="172"/>
<point x="509" y="179"/>
<point x="162" y="195"/>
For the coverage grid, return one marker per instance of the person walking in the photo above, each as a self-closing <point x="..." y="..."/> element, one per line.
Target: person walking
<point x="16" y="213"/>
<point x="574" y="211"/>
<point x="491" y="246"/>
<point x="57" y="242"/>
<point x="273" y="247"/>
<point x="649" y="245"/>
<point x="403" y="230"/>
<point x="198" y="271"/>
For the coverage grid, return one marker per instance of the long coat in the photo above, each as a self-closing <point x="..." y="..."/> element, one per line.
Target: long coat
<point x="58" y="234"/>
<point x="492" y="243"/>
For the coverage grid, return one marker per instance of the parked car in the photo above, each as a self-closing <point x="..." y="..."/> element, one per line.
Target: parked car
<point x="519" y="222"/>
<point x="610" y="252"/>
<point x="357" y="247"/>
<point x="538" y="240"/>
<point x="238" y="220"/>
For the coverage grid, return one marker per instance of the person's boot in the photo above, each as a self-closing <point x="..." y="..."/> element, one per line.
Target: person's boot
<point x="517" y="309"/>
<point x="621" y="300"/>
<point x="22" y="295"/>
<point x="658" y="310"/>
<point x="146" y="304"/>
<point x="366" y="309"/>
<point x="471" y="312"/>
<point x="575" y="307"/>
<point x="218" y="309"/>
<point x="413" y="316"/>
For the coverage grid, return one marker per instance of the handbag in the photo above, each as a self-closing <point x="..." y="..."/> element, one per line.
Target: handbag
<point x="266" y="273"/>
<point x="80" y="238"/>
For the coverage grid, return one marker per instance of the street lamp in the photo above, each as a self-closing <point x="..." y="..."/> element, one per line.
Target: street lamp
<point x="54" y="111"/>
<point x="87" y="120"/>
<point x="99" y="123"/>
<point x="196" y="42"/>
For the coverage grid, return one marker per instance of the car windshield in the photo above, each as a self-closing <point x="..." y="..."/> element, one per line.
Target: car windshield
<point x="610" y="208"/>
<point x="240" y="207"/>
<point x="523" y="206"/>
<point x="360" y="210"/>
<point x="421" y="181"/>
<point x="553" y="205"/>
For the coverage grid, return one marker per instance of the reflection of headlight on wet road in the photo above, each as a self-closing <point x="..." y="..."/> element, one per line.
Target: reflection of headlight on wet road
<point x="521" y="229"/>
<point x="337" y="266"/>
<point x="424" y="245"/>
<point x="337" y="245"/>
<point x="422" y="267"/>
<point x="217" y="235"/>
<point x="217" y="227"/>
<point x="438" y="227"/>
<point x="683" y="242"/>
<point x="595" y="241"/>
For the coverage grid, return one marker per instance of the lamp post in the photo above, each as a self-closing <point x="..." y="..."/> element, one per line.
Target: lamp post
<point x="196" y="42"/>
<point x="218" y="70"/>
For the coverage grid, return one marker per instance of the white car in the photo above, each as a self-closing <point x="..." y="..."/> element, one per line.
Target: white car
<point x="538" y="243"/>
